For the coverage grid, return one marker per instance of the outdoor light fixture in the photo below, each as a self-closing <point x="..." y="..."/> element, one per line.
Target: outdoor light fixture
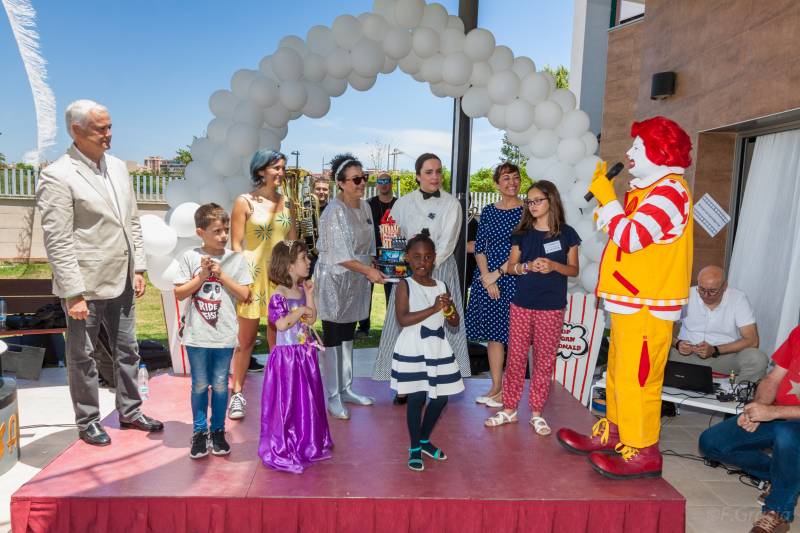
<point x="663" y="85"/>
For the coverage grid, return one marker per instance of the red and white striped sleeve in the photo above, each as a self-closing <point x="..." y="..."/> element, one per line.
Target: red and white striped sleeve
<point x="660" y="218"/>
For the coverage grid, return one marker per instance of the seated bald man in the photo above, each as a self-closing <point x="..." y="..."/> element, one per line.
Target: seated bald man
<point x="718" y="329"/>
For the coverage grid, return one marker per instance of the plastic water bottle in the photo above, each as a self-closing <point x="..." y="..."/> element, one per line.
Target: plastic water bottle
<point x="143" y="381"/>
<point x="2" y="314"/>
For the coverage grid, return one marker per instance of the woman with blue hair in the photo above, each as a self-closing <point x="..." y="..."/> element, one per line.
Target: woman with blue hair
<point x="260" y="219"/>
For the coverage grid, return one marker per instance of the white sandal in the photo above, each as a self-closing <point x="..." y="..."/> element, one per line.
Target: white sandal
<point x="490" y="401"/>
<point x="540" y="426"/>
<point x="501" y="418"/>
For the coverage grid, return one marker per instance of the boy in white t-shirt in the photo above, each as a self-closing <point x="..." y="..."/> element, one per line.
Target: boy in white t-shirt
<point x="214" y="277"/>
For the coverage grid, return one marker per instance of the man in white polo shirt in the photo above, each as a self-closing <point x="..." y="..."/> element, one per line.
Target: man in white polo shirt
<point x="718" y="329"/>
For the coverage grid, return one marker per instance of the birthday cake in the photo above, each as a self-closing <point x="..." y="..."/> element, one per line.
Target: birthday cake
<point x="391" y="254"/>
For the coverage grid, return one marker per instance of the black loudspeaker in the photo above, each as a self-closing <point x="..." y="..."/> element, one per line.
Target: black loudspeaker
<point x="663" y="85"/>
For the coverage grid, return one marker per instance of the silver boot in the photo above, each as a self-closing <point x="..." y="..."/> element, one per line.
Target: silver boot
<point x="331" y="381"/>
<point x="346" y="382"/>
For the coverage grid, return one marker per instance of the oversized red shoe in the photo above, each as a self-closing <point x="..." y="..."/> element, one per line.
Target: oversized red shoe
<point x="604" y="438"/>
<point x="628" y="462"/>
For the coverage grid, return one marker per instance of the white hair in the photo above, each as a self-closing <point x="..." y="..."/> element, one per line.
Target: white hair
<point x="78" y="111"/>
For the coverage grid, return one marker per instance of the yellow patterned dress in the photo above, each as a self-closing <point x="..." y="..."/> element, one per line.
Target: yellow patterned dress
<point x="262" y="230"/>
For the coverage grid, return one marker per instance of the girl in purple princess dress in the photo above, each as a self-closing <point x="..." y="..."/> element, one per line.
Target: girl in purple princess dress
<point x="294" y="422"/>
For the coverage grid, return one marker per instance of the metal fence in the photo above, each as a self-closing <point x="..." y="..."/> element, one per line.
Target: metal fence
<point x="18" y="183"/>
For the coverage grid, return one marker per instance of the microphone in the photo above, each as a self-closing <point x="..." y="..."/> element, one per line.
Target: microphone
<point x="611" y="174"/>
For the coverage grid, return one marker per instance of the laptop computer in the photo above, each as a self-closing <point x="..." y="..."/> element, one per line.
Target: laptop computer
<point x="686" y="376"/>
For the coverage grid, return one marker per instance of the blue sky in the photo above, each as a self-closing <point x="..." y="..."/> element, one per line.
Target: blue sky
<point x="155" y="63"/>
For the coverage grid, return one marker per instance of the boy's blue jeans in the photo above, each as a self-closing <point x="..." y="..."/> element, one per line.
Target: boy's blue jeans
<point x="209" y="367"/>
<point x="729" y="444"/>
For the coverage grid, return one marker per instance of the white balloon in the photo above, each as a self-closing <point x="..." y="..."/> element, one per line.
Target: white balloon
<point x="571" y="213"/>
<point x="481" y="74"/>
<point x="389" y="65"/>
<point x="502" y="58"/>
<point x="247" y="111"/>
<point x="225" y="162"/>
<point x="425" y="42"/>
<point x="339" y="63"/>
<point x="476" y="103"/>
<point x="295" y="43"/>
<point x="267" y="138"/>
<point x="184" y="244"/>
<point x="292" y="95"/>
<point x="164" y="279"/>
<point x="313" y="68"/>
<point x="594" y="246"/>
<point x="453" y="41"/>
<point x="242" y="138"/>
<point x="222" y="103"/>
<point x="263" y="91"/>
<point x="334" y="86"/>
<point x="589" y="277"/>
<point x="538" y="166"/>
<point x="236" y="185"/>
<point x="584" y="228"/>
<point x="347" y="31"/>
<point x="408" y="13"/>
<point x="397" y="43"/>
<point x="521" y="138"/>
<point x="367" y="57"/>
<point x="544" y="143"/>
<point x="281" y="132"/>
<point x="159" y="263"/>
<point x="526" y="150"/>
<point x="497" y="116"/>
<point x="576" y="195"/>
<point x="217" y="129"/>
<point x="571" y="150"/>
<point x="453" y="91"/>
<point x="561" y="174"/>
<point x="454" y="22"/>
<point x="503" y="87"/>
<point x="318" y="103"/>
<point x="479" y="44"/>
<point x="584" y="169"/>
<point x="361" y="83"/>
<point x="519" y="115"/>
<point x="294" y="115"/>
<point x="551" y="81"/>
<point x="202" y="149"/>
<point x="564" y="98"/>
<point x="178" y="192"/>
<point x="385" y="8"/>
<point x="435" y="16"/>
<point x="240" y="82"/>
<point x="374" y="26"/>
<point x="438" y="89"/>
<point x="573" y="124"/>
<point x="590" y="140"/>
<point x="182" y="219"/>
<point x="418" y="77"/>
<point x="159" y="239"/>
<point x="214" y="191"/>
<point x="287" y="63"/>
<point x="534" y="88"/>
<point x="457" y="68"/>
<point x="432" y="68"/>
<point x="198" y="172"/>
<point x="547" y="115"/>
<point x="320" y="40"/>
<point x="523" y="66"/>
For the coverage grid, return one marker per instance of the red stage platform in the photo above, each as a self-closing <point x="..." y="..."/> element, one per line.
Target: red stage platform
<point x="500" y="480"/>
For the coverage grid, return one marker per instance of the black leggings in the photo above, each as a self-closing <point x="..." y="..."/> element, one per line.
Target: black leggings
<point x="335" y="333"/>
<point x="420" y="427"/>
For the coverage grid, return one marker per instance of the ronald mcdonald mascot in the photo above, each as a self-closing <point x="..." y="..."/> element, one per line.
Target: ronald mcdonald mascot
<point x="645" y="274"/>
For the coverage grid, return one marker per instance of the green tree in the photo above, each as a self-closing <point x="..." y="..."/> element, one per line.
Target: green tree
<point x="408" y="180"/>
<point x="23" y="166"/>
<point x="510" y="152"/>
<point x="561" y="74"/>
<point x="2" y="160"/>
<point x="183" y="155"/>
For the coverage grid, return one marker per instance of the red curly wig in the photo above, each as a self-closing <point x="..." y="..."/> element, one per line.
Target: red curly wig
<point x="665" y="143"/>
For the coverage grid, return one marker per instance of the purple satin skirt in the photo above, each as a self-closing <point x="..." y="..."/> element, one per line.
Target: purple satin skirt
<point x="294" y="422"/>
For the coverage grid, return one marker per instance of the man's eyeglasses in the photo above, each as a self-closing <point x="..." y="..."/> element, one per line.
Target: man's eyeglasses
<point x="535" y="201"/>
<point x="708" y="292"/>
<point x="357" y="180"/>
<point x="384" y="181"/>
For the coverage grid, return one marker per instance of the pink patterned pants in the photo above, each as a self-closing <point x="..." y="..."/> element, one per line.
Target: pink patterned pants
<point x="543" y="330"/>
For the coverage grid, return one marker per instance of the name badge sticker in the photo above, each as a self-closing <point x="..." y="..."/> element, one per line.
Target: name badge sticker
<point x="552" y="247"/>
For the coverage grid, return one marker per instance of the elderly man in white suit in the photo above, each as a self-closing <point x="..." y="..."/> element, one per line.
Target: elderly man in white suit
<point x="94" y="243"/>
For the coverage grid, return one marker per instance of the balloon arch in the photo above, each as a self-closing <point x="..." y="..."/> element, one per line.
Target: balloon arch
<point x="424" y="41"/>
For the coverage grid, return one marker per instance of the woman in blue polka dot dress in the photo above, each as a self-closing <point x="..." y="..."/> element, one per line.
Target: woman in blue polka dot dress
<point x="491" y="290"/>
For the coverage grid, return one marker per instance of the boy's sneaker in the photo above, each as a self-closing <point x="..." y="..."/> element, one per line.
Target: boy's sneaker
<point x="236" y="408"/>
<point x="219" y="446"/>
<point x="199" y="445"/>
<point x="762" y="498"/>
<point x="255" y="366"/>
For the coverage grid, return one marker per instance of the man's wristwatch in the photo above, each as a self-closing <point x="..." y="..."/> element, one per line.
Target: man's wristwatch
<point x="716" y="352"/>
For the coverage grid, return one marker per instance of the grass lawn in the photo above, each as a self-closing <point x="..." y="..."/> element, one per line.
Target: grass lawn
<point x="150" y="313"/>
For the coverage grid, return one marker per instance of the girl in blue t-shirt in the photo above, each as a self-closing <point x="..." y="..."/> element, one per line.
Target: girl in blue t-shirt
<point x="544" y="252"/>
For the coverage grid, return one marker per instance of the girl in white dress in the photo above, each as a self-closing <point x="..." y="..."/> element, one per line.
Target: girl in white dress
<point x="423" y="364"/>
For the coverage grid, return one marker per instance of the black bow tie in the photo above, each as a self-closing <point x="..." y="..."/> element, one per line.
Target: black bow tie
<point x="427" y="332"/>
<point x="426" y="195"/>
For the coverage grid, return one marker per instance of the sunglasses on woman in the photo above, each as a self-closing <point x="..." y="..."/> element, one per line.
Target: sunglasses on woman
<point x="535" y="201"/>
<point x="357" y="180"/>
